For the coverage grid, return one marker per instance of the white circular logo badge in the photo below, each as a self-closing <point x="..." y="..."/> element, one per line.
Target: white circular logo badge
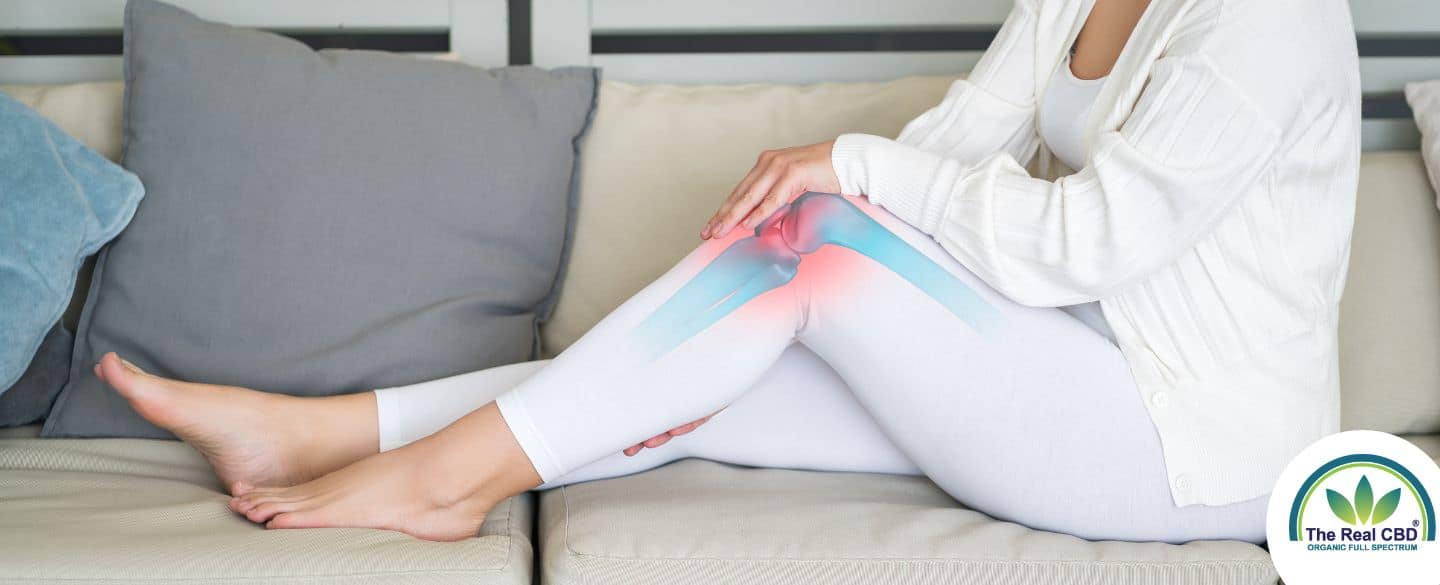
<point x="1356" y="507"/>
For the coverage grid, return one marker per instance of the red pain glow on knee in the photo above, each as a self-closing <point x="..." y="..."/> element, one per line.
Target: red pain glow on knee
<point x="771" y="257"/>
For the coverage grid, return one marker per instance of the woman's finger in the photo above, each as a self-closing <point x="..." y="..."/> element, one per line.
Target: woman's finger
<point x="739" y="204"/>
<point x="773" y="201"/>
<point x="746" y="203"/>
<point x="743" y="187"/>
<point x="709" y="230"/>
<point x="685" y="428"/>
<point x="746" y="195"/>
<point x="665" y="437"/>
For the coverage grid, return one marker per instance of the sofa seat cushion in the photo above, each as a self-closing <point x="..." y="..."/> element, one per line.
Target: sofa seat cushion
<point x="1430" y="444"/>
<point x="697" y="521"/>
<point x="142" y="511"/>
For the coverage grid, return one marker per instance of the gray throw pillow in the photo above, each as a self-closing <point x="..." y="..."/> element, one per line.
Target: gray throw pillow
<point x="324" y="222"/>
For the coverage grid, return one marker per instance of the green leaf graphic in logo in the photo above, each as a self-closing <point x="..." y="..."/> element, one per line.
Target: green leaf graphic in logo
<point x="1364" y="500"/>
<point x="1340" y="506"/>
<point x="1386" y="506"/>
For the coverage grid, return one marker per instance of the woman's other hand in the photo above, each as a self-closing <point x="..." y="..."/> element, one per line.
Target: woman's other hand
<point x="779" y="177"/>
<point x="665" y="437"/>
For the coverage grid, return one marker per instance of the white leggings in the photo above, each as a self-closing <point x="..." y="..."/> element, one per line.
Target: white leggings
<point x="855" y="359"/>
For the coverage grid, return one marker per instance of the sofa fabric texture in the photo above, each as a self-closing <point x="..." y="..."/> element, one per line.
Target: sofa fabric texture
<point x="697" y="521"/>
<point x="89" y="112"/>
<point x="324" y="222"/>
<point x="1390" y="314"/>
<point x="146" y="511"/>
<point x="60" y="201"/>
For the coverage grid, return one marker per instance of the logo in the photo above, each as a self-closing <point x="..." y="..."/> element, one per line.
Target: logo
<point x="1356" y="507"/>
<point x="1362" y="510"/>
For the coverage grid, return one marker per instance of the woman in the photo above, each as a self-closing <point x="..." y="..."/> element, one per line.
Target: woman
<point x="1131" y="351"/>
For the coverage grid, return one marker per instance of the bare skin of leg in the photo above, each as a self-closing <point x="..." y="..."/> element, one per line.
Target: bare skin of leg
<point x="252" y="439"/>
<point x="437" y="488"/>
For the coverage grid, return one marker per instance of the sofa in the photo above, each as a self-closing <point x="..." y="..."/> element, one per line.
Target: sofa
<point x="654" y="165"/>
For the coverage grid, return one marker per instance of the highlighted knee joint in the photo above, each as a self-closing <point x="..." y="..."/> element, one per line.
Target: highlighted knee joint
<point x="771" y="258"/>
<point x="818" y="219"/>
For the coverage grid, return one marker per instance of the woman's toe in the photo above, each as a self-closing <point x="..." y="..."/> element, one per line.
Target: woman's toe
<point x="243" y="504"/>
<point x="264" y="512"/>
<point x="256" y="493"/>
<point x="116" y="375"/>
<point x="293" y="520"/>
<point x="248" y="501"/>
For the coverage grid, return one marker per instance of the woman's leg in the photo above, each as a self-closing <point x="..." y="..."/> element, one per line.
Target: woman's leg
<point x="257" y="439"/>
<point x="477" y="461"/>
<point x="759" y="429"/>
<point x="1034" y="418"/>
<point x="1019" y="412"/>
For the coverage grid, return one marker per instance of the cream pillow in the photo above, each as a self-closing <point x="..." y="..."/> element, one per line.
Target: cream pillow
<point x="1389" y="320"/>
<point x="659" y="159"/>
<point x="1424" y="98"/>
<point x="88" y="111"/>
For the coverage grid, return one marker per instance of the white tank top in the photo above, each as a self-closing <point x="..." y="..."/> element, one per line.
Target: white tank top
<point x="1063" y="111"/>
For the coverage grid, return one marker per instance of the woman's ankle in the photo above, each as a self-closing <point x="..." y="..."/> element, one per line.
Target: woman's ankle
<point x="479" y="459"/>
<point x="331" y="431"/>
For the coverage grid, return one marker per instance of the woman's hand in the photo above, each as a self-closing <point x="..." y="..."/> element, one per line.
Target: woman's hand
<point x="778" y="178"/>
<point x="665" y="437"/>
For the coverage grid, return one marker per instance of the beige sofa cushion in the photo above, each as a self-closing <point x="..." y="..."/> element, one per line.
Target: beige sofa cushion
<point x="138" y="511"/>
<point x="659" y="159"/>
<point x="88" y="111"/>
<point x="701" y="522"/>
<point x="1430" y="444"/>
<point x="1390" y="313"/>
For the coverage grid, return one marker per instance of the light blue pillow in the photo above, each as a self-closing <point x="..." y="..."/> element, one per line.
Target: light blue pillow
<point x="59" y="202"/>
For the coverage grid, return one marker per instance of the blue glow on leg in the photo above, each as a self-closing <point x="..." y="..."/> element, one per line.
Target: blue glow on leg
<point x="818" y="219"/>
<point x="745" y="270"/>
<point x="770" y="259"/>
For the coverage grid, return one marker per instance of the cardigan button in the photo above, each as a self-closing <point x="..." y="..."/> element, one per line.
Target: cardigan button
<point x="1160" y="399"/>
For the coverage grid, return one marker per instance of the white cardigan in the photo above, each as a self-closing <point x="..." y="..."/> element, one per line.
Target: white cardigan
<point x="1211" y="220"/>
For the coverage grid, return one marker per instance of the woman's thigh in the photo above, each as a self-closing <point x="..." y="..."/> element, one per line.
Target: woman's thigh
<point x="1020" y="412"/>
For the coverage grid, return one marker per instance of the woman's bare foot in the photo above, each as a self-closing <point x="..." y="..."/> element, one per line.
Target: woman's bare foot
<point x="252" y="439"/>
<point x="437" y="488"/>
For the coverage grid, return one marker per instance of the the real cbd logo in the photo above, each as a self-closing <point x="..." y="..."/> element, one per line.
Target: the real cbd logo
<point x="1363" y="509"/>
